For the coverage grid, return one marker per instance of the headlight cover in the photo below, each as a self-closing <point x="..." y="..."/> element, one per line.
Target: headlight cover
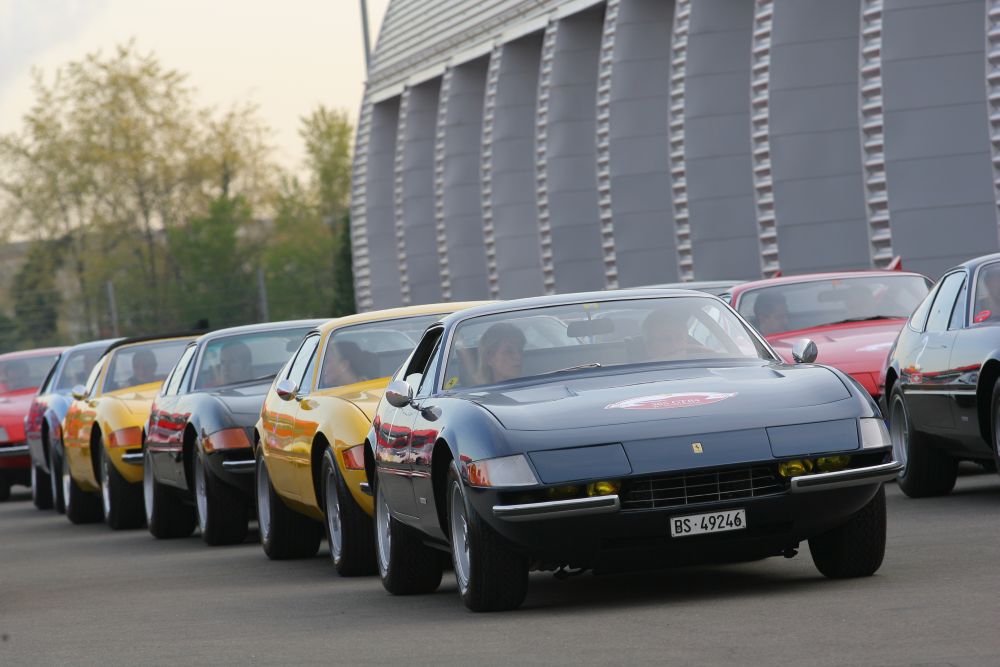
<point x="501" y="471"/>
<point x="873" y="432"/>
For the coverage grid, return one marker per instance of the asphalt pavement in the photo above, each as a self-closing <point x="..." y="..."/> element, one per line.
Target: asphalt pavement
<point x="84" y="595"/>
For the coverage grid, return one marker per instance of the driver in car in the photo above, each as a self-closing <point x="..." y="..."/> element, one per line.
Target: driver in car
<point x="143" y="368"/>
<point x="235" y="363"/>
<point x="770" y="311"/>
<point x="665" y="335"/>
<point x="501" y="353"/>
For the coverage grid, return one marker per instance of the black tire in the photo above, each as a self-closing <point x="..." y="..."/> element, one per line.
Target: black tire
<point x="223" y="513"/>
<point x="284" y="533"/>
<point x="55" y="478"/>
<point x="122" y="500"/>
<point x="167" y="515"/>
<point x="406" y="565"/>
<point x="855" y="548"/>
<point x="81" y="506"/>
<point x="349" y="531"/>
<point x="41" y="488"/>
<point x="928" y="471"/>
<point x="492" y="576"/>
<point x="995" y="423"/>
<point x="4" y="490"/>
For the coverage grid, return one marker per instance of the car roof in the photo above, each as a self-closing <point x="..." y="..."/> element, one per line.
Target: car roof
<point x="150" y="339"/>
<point x="815" y="277"/>
<point x="571" y="298"/>
<point x="27" y="354"/>
<point x="263" y="326"/>
<point x="976" y="262"/>
<point x="400" y="313"/>
<point x="93" y="344"/>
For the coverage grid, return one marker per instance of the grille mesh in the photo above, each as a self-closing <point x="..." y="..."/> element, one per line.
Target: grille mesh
<point x="700" y="487"/>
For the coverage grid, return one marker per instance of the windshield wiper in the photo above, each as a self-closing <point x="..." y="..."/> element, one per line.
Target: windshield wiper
<point x="594" y="364"/>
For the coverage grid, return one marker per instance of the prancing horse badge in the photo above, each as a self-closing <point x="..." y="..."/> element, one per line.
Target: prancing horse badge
<point x="696" y="447"/>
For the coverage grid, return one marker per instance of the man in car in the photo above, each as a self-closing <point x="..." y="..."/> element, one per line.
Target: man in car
<point x="988" y="296"/>
<point x="666" y="337"/>
<point x="770" y="311"/>
<point x="235" y="363"/>
<point x="143" y="368"/>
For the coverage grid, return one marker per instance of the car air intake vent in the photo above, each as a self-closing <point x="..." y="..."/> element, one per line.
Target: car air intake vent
<point x="700" y="487"/>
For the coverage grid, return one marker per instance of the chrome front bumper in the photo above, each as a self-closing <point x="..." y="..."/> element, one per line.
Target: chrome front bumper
<point x="825" y="481"/>
<point x="557" y="509"/>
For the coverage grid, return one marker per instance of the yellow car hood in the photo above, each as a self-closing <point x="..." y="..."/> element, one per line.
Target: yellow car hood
<point x="365" y="395"/>
<point x="139" y="399"/>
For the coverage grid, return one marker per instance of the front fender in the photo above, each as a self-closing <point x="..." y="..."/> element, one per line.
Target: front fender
<point x="117" y="422"/>
<point x="344" y="425"/>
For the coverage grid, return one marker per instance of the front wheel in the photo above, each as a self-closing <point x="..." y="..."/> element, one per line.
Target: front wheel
<point x="348" y="529"/>
<point x="167" y="515"/>
<point x="855" y="548"/>
<point x="122" y="501"/>
<point x="927" y="471"/>
<point x="491" y="576"/>
<point x="284" y="533"/>
<point x="222" y="509"/>
<point x="55" y="479"/>
<point x="81" y="506"/>
<point x="406" y="565"/>
<point x="41" y="488"/>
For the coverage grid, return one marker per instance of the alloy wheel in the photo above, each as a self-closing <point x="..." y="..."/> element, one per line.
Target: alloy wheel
<point x="201" y="493"/>
<point x="263" y="506"/>
<point x="383" y="536"/>
<point x="333" y="516"/>
<point x="459" y="538"/>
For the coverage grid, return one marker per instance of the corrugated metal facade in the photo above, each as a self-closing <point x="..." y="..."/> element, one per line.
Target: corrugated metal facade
<point x="515" y="147"/>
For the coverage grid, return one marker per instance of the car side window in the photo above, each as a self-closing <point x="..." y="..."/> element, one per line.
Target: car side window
<point x="95" y="373"/>
<point x="417" y="363"/>
<point x="957" y="319"/>
<point x="987" y="303"/>
<point x="173" y="382"/>
<point x="426" y="387"/>
<point x="304" y="362"/>
<point x="918" y="320"/>
<point x="944" y="302"/>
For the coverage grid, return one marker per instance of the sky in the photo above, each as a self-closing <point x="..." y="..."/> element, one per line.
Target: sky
<point x="286" y="56"/>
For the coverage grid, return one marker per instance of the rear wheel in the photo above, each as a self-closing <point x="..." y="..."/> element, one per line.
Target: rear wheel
<point x="406" y="565"/>
<point x="348" y="529"/>
<point x="222" y="509"/>
<point x="81" y="506"/>
<point x="491" y="576"/>
<point x="167" y="515"/>
<point x="284" y="533"/>
<point x="995" y="404"/>
<point x="122" y="501"/>
<point x="4" y="489"/>
<point x="855" y="548"/>
<point x="41" y="488"/>
<point x="927" y="470"/>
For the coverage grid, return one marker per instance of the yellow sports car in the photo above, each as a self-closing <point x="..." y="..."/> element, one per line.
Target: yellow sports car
<point x="309" y="442"/>
<point x="102" y="431"/>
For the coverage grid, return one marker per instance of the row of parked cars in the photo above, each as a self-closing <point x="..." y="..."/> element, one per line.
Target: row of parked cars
<point x="606" y="431"/>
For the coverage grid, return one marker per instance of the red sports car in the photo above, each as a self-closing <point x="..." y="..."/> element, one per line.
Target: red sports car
<point x="21" y="373"/>
<point x="853" y="317"/>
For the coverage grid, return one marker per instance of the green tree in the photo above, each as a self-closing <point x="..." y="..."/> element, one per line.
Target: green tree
<point x="36" y="298"/>
<point x="343" y="278"/>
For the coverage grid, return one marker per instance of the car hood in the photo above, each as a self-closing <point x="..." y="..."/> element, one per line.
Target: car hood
<point x="740" y="391"/>
<point x="860" y="347"/>
<point x="139" y="399"/>
<point x="243" y="400"/>
<point x="14" y="405"/>
<point x="364" y="395"/>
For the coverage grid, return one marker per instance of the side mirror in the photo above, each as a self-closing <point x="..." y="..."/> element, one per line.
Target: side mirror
<point x="399" y="394"/>
<point x="79" y="392"/>
<point x="804" y="351"/>
<point x="286" y="389"/>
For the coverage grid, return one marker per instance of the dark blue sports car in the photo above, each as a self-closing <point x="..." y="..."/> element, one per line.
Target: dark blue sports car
<point x="606" y="448"/>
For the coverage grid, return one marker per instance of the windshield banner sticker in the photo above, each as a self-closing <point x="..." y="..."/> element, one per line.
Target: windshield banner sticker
<point x="667" y="401"/>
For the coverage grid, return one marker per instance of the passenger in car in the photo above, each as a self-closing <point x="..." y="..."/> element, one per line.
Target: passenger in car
<point x="501" y="353"/>
<point x="345" y="363"/>
<point x="770" y="313"/>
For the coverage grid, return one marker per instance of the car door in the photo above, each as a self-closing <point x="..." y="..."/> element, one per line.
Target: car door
<point x="280" y="440"/>
<point x="926" y="382"/>
<point x="303" y="431"/>
<point x="423" y="437"/>
<point x="394" y="449"/>
<point x="77" y="426"/>
<point x="974" y="343"/>
<point x="165" y="428"/>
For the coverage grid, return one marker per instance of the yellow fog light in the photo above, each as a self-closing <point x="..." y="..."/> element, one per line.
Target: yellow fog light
<point x="795" y="468"/>
<point x="562" y="492"/>
<point x="603" y="488"/>
<point x="832" y="463"/>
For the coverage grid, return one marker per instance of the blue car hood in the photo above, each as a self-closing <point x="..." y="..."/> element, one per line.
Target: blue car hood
<point x="739" y="395"/>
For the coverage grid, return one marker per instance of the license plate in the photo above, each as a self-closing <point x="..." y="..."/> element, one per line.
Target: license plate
<point x="713" y="522"/>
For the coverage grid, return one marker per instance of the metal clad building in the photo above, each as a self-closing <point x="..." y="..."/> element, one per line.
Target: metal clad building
<point x="509" y="148"/>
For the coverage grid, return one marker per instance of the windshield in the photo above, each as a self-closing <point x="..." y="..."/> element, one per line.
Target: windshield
<point x="817" y="303"/>
<point x="76" y="369"/>
<point x="142" y="363"/>
<point x="496" y="348"/>
<point x="370" y="351"/>
<point x="26" y="372"/>
<point x="243" y="357"/>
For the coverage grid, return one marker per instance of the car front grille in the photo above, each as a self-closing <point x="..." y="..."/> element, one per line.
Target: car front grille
<point x="700" y="487"/>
